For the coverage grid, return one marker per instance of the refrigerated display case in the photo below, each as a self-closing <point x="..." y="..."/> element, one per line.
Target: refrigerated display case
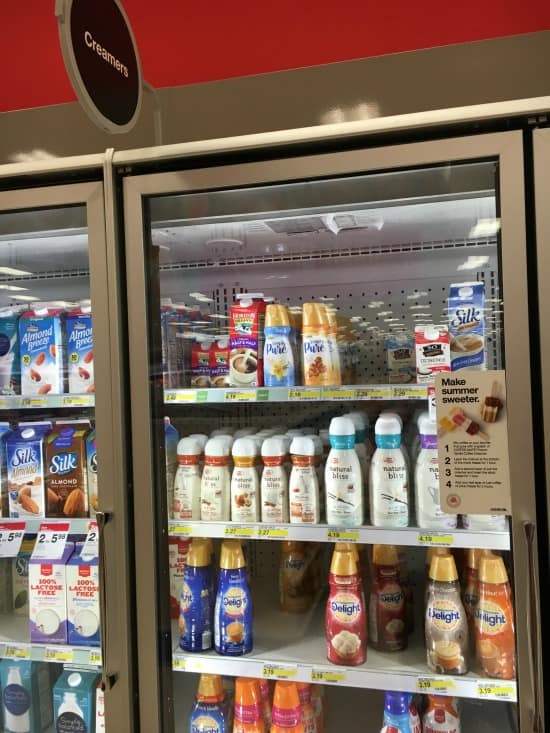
<point x="376" y="236"/>
<point x="62" y="628"/>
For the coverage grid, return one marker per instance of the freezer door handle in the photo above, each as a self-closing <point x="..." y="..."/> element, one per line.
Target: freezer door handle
<point x="107" y="679"/>
<point x="533" y="625"/>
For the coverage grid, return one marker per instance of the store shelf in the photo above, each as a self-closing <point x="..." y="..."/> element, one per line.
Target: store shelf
<point x="78" y="526"/>
<point x="14" y="644"/>
<point x="409" y="536"/>
<point x="56" y="401"/>
<point x="296" y="394"/>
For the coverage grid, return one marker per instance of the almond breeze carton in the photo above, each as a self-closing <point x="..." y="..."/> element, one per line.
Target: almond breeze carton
<point x="25" y="467"/>
<point x="83" y="599"/>
<point x="48" y="598"/>
<point x="10" y="368"/>
<point x="41" y="344"/>
<point x="466" y="304"/>
<point x="80" y="350"/>
<point x="246" y="340"/>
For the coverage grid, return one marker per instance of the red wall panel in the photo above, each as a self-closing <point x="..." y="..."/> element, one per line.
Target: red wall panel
<point x="183" y="42"/>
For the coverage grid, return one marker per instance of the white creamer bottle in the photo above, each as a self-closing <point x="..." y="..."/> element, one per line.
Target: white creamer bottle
<point x="303" y="487"/>
<point x="274" y="484"/>
<point x="428" y="507"/>
<point x="389" y="496"/>
<point x="203" y="440"/>
<point x="484" y="522"/>
<point x="358" y="420"/>
<point x="216" y="480"/>
<point x="245" y="483"/>
<point x="343" y="478"/>
<point x="187" y="484"/>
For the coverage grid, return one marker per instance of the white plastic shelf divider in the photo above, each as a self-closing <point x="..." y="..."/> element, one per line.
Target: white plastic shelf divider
<point x="19" y="402"/>
<point x="408" y="536"/>
<point x="231" y="395"/>
<point x="14" y="644"/>
<point x="78" y="526"/>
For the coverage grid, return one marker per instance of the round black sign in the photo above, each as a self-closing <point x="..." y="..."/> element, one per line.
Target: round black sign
<point x="102" y="60"/>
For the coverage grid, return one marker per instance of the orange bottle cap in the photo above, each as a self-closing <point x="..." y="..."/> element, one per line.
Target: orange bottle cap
<point x="232" y="556"/>
<point x="286" y="695"/>
<point x="473" y="556"/>
<point x="443" y="568"/>
<point x="492" y="569"/>
<point x="385" y="555"/>
<point x="247" y="691"/>
<point x="276" y="315"/>
<point x="211" y="686"/>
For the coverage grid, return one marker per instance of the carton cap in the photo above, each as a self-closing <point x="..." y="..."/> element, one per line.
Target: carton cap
<point x="342" y="426"/>
<point x="244" y="448"/>
<point x="385" y="555"/>
<point x="189" y="447"/>
<point x="198" y="554"/>
<point x="443" y="568"/>
<point x="286" y="695"/>
<point x="343" y="563"/>
<point x="302" y="445"/>
<point x="274" y="447"/>
<point x="217" y="446"/>
<point x="426" y="425"/>
<point x="232" y="556"/>
<point x="211" y="685"/>
<point x="492" y="569"/>
<point x="387" y="424"/>
<point x="276" y="315"/>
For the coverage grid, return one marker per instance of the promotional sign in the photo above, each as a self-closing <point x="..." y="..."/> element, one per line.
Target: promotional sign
<point x="474" y="473"/>
<point x="102" y="61"/>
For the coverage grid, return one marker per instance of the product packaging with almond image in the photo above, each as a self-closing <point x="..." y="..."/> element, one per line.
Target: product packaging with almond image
<point x="66" y="477"/>
<point x="26" y="470"/>
<point x="42" y="347"/>
<point x="80" y="351"/>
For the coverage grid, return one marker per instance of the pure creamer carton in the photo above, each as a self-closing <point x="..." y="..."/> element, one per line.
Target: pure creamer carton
<point x="48" y="598"/>
<point x="10" y="368"/>
<point x="26" y="470"/>
<point x="467" y="325"/>
<point x="41" y="343"/>
<point x="80" y="350"/>
<point x="83" y="599"/>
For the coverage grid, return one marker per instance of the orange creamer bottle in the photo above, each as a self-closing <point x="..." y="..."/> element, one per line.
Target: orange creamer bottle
<point x="265" y="701"/>
<point x="248" y="712"/>
<point x="494" y="620"/>
<point x="286" y="712"/>
<point x="308" y="712"/>
<point x="470" y="590"/>
<point x="316" y="361"/>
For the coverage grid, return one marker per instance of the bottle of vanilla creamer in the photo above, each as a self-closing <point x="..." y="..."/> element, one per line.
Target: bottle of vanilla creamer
<point x="343" y="478"/>
<point x="216" y="480"/>
<point x="388" y="476"/>
<point x="245" y="483"/>
<point x="274" y="484"/>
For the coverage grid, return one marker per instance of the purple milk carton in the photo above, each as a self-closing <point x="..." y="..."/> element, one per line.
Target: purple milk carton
<point x="48" y="598"/>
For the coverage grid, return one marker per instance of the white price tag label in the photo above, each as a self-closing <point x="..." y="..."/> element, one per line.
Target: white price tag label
<point x="91" y="545"/>
<point x="51" y="540"/>
<point x="11" y="537"/>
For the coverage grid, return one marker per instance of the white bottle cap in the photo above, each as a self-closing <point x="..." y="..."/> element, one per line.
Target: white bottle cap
<point x="258" y="440"/>
<point x="302" y="445"/>
<point x="217" y="447"/>
<point x="341" y="426"/>
<point x="274" y="447"/>
<point x="244" y="447"/>
<point x="244" y="433"/>
<point x="286" y="441"/>
<point x="420" y="415"/>
<point x="279" y="429"/>
<point x="203" y="439"/>
<point x="265" y="433"/>
<point x="387" y="424"/>
<point x="228" y="439"/>
<point x="318" y="444"/>
<point x="395" y="415"/>
<point x="221" y="431"/>
<point x="427" y="425"/>
<point x="357" y="419"/>
<point x="189" y="447"/>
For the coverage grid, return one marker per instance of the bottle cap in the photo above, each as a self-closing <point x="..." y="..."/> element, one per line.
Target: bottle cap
<point x="211" y="686"/>
<point x="232" y="556"/>
<point x="348" y="547"/>
<point x="265" y="433"/>
<point x="385" y="555"/>
<point x="331" y="316"/>
<point x="217" y="447"/>
<point x="431" y="551"/>
<point x="443" y="568"/>
<point x="286" y="441"/>
<point x="199" y="554"/>
<point x="247" y="692"/>
<point x="313" y="316"/>
<point x="293" y="546"/>
<point x="203" y="439"/>
<point x="343" y="563"/>
<point x="189" y="447"/>
<point x="244" y="448"/>
<point x="308" y="430"/>
<point x="426" y="425"/>
<point x="342" y="426"/>
<point x="302" y="446"/>
<point x="286" y="698"/>
<point x="294" y="432"/>
<point x="396" y="415"/>
<point x="473" y="556"/>
<point x="318" y="443"/>
<point x="222" y="343"/>
<point x="396" y="703"/>
<point x="387" y="424"/>
<point x="324" y="435"/>
<point x="274" y="447"/>
<point x="492" y="569"/>
<point x="276" y="315"/>
<point x="221" y="431"/>
<point x="244" y="433"/>
<point x="205" y="345"/>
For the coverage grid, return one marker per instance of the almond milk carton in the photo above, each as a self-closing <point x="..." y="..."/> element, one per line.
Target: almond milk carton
<point x="41" y="344"/>
<point x="80" y="350"/>
<point x="26" y="470"/>
<point x="246" y="340"/>
<point x="83" y="599"/>
<point x="48" y="598"/>
<point x="66" y="476"/>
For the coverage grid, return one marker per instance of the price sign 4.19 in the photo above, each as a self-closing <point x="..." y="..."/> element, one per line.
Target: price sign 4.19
<point x="51" y="540"/>
<point x="11" y="536"/>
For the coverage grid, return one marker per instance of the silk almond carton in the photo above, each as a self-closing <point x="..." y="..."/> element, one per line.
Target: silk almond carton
<point x="41" y="345"/>
<point x="66" y="472"/>
<point x="80" y="351"/>
<point x="48" y="598"/>
<point x="26" y="470"/>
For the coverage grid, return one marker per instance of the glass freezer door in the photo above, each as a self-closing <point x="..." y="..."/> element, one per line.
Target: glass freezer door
<point x="59" y="639"/>
<point x="299" y="557"/>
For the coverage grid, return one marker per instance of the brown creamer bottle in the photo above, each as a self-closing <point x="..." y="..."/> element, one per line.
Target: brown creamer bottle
<point x="296" y="583"/>
<point x="470" y="589"/>
<point x="387" y="607"/>
<point x="446" y="625"/>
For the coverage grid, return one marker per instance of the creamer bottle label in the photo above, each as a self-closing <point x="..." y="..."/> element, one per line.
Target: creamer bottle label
<point x="274" y="492"/>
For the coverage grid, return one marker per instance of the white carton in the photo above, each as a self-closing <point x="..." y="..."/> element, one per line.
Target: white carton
<point x="83" y="600"/>
<point x="48" y="598"/>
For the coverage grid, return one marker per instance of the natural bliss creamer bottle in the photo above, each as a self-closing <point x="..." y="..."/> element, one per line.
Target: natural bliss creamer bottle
<point x="248" y="710"/>
<point x="274" y="484"/>
<point x="216" y="480"/>
<point x="446" y="625"/>
<point x="428" y="507"/>
<point x="233" y="611"/>
<point x="343" y="477"/>
<point x="345" y="619"/>
<point x="187" y="484"/>
<point x="278" y="354"/>
<point x="316" y="362"/>
<point x="303" y="483"/>
<point x="389" y="497"/>
<point x="245" y="483"/>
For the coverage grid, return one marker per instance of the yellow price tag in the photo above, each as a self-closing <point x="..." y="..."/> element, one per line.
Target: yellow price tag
<point x="34" y="402"/>
<point x="339" y="535"/>
<point x="410" y="393"/>
<point x="72" y="401"/>
<point x="373" y="393"/>
<point x="317" y="676"/>
<point x="58" y="655"/>
<point x="496" y="689"/>
<point x="95" y="657"/>
<point x="278" y="671"/>
<point x="435" y="539"/>
<point x="178" y="663"/>
<point x="304" y="393"/>
<point x="239" y="531"/>
<point x="13" y="651"/>
<point x="4" y="405"/>
<point x="241" y="396"/>
<point x="273" y="533"/>
<point x="339" y="394"/>
<point x="441" y="686"/>
<point x="181" y="529"/>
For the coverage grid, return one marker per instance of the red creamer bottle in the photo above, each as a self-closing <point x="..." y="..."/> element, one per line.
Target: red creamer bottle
<point x="387" y="605"/>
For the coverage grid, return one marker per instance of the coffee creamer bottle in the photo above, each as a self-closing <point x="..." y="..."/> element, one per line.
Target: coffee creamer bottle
<point x="245" y="483"/>
<point x="470" y="590"/>
<point x="296" y="582"/>
<point x="195" y="619"/>
<point x="345" y="619"/>
<point x="278" y="353"/>
<point x="307" y="710"/>
<point x="494" y="619"/>
<point x="428" y="506"/>
<point x="343" y="477"/>
<point x="248" y="711"/>
<point x="187" y="484"/>
<point x="265" y="702"/>
<point x="286" y="712"/>
<point x="334" y="350"/>
<point x="387" y="607"/>
<point x="441" y="715"/>
<point x="303" y="485"/>
<point x="274" y="483"/>
<point x="209" y="713"/>
<point x="446" y="625"/>
<point x="388" y="483"/>
<point x="398" y="716"/>
<point x="216" y="480"/>
<point x="316" y="363"/>
<point x="233" y="611"/>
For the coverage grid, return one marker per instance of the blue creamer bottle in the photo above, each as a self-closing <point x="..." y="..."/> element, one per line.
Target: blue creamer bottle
<point x="210" y="712"/>
<point x="399" y="714"/>
<point x="278" y="352"/>
<point x="233" y="611"/>
<point x="195" y="619"/>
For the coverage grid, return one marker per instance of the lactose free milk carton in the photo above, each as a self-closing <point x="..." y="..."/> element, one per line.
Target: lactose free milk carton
<point x="48" y="598"/>
<point x="10" y="368"/>
<point x="83" y="599"/>
<point x="41" y="344"/>
<point x="26" y="470"/>
<point x="80" y="350"/>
